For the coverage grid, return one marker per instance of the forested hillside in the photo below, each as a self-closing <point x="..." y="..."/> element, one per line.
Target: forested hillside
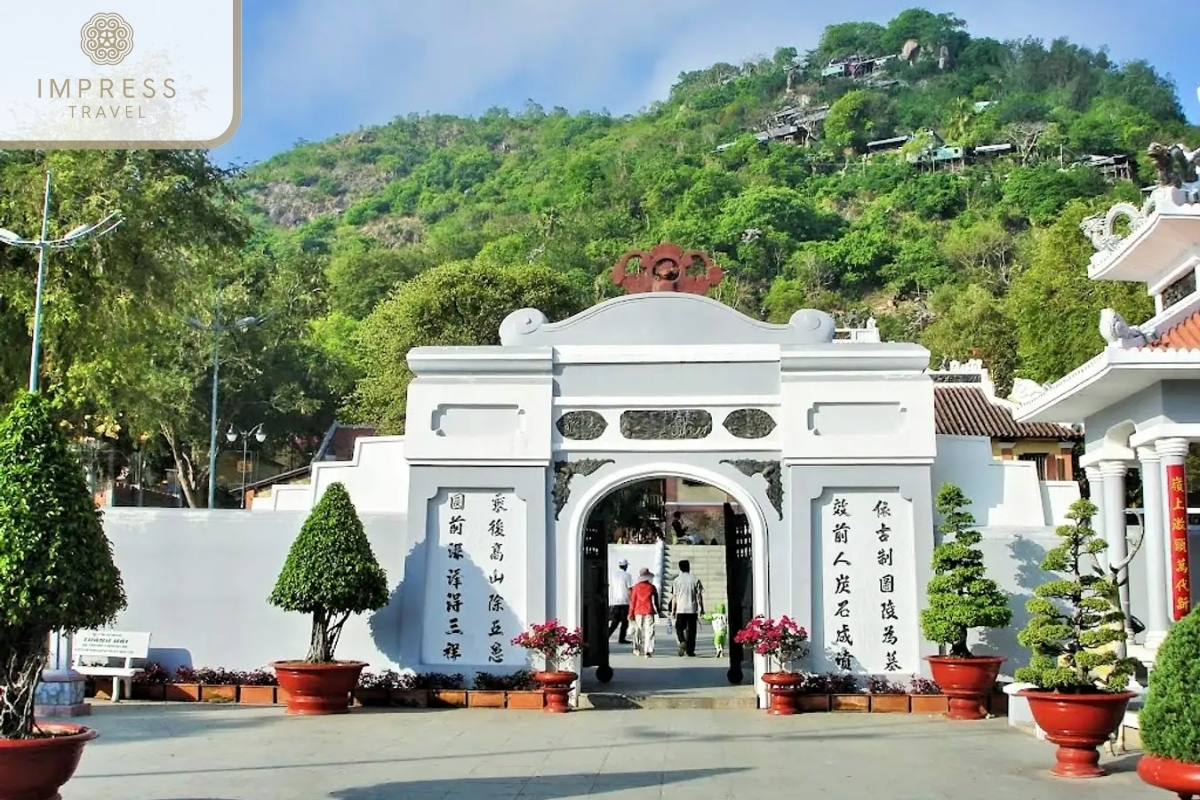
<point x="961" y="232"/>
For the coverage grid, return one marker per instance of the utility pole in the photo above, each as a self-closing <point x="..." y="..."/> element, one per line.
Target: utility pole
<point x="42" y="244"/>
<point x="216" y="328"/>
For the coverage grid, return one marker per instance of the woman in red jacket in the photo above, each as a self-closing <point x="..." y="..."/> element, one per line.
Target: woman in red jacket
<point x="643" y="613"/>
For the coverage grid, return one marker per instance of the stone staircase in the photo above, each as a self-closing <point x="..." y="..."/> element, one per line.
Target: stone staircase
<point x="708" y="564"/>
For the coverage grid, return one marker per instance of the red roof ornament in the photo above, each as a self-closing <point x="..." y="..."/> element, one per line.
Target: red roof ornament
<point x="666" y="268"/>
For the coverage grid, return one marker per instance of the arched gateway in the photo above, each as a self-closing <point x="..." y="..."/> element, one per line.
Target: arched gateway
<point x="825" y="444"/>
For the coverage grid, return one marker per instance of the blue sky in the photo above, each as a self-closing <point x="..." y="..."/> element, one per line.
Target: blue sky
<point x="316" y="68"/>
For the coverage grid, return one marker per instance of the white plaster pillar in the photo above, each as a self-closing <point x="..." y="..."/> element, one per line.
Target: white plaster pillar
<point x="1096" y="495"/>
<point x="1154" y="543"/>
<point x="1115" y="531"/>
<point x="1174" y="453"/>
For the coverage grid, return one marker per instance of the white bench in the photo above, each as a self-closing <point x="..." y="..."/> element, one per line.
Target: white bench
<point x="96" y="654"/>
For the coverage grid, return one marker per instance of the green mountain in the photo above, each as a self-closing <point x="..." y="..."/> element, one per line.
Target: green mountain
<point x="939" y="248"/>
<point x="908" y="171"/>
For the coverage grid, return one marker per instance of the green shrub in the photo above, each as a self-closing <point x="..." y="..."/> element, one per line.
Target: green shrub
<point x="1169" y="722"/>
<point x="56" y="564"/>
<point x="960" y="596"/>
<point x="1070" y="644"/>
<point x="330" y="572"/>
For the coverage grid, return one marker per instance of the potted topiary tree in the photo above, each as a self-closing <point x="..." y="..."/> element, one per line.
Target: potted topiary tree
<point x="330" y="573"/>
<point x="1079" y="697"/>
<point x="1169" y="722"/>
<point x="961" y="598"/>
<point x="56" y="573"/>
<point x="557" y="645"/>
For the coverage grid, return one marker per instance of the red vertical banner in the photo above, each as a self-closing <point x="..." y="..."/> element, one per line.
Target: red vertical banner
<point x="1177" y="541"/>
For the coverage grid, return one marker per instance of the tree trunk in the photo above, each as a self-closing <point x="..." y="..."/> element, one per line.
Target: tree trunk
<point x="318" y="646"/>
<point x="23" y="654"/>
<point x="183" y="469"/>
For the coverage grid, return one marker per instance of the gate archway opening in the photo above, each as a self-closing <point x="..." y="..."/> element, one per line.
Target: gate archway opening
<point x="653" y="520"/>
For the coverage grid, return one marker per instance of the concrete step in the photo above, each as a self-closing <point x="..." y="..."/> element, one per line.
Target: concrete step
<point x="613" y="700"/>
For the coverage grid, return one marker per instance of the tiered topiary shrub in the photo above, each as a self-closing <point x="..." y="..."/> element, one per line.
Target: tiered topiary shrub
<point x="1079" y="697"/>
<point x="961" y="598"/>
<point x="56" y="573"/>
<point x="1169" y="722"/>
<point x="330" y="573"/>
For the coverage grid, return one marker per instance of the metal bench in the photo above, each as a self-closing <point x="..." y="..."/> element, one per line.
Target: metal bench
<point x="111" y="654"/>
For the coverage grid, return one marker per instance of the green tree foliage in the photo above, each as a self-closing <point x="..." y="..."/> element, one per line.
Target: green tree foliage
<point x="330" y="572"/>
<point x="454" y="304"/>
<point x="56" y="564"/>
<point x="858" y="117"/>
<point x="972" y="323"/>
<point x="1169" y="722"/>
<point x="1056" y="279"/>
<point x="1073" y="622"/>
<point x="961" y="597"/>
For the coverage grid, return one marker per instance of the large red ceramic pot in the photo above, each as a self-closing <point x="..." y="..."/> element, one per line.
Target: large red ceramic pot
<point x="782" y="688"/>
<point x="317" y="689"/>
<point x="35" y="769"/>
<point x="1078" y="724"/>
<point x="1175" y="776"/>
<point x="557" y="686"/>
<point x="966" y="681"/>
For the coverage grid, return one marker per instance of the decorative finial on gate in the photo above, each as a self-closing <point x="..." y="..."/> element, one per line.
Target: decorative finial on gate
<point x="666" y="268"/>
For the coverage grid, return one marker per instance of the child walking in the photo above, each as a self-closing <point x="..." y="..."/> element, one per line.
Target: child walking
<point x="720" y="626"/>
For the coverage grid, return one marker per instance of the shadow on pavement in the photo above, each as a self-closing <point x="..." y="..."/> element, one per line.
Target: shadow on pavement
<point x="544" y="787"/>
<point x="158" y="721"/>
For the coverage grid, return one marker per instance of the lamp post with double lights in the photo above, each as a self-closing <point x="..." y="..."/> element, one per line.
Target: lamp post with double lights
<point x="232" y="436"/>
<point x="216" y="328"/>
<point x="42" y="244"/>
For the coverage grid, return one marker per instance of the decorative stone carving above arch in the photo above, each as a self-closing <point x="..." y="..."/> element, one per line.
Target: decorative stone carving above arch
<point x="1100" y="228"/>
<point x="772" y="473"/>
<point x="666" y="423"/>
<point x="582" y="426"/>
<point x="749" y="423"/>
<point x="564" y="471"/>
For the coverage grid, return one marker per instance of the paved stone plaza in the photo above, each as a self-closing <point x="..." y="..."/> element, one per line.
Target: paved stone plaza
<point x="180" y="752"/>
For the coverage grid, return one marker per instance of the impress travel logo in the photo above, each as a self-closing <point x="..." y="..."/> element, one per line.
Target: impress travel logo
<point x="138" y="74"/>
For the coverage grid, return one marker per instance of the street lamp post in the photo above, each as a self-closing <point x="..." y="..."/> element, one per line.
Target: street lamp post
<point x="232" y="436"/>
<point x="61" y="689"/>
<point x="216" y="328"/>
<point x="42" y="244"/>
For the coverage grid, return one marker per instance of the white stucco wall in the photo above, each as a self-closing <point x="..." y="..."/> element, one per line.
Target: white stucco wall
<point x="1002" y="493"/>
<point x="376" y="478"/>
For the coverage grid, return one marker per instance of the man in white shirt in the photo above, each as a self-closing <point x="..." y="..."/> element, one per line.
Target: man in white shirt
<point x="619" y="585"/>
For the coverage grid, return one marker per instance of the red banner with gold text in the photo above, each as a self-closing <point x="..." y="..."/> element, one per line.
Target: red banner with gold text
<point x="1177" y="541"/>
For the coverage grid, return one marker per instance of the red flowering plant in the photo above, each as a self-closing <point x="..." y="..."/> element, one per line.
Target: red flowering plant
<point x="553" y="640"/>
<point x="782" y="640"/>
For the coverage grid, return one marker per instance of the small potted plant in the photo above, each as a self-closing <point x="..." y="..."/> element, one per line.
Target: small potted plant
<point x="330" y="573"/>
<point x="961" y="598"/>
<point x="524" y="692"/>
<point x="487" y="691"/>
<point x="555" y="644"/>
<point x="56" y="573"/>
<point x="887" y="697"/>
<point x="257" y="688"/>
<point x="782" y="642"/>
<point x="1079" y="680"/>
<point x="1169" y="722"/>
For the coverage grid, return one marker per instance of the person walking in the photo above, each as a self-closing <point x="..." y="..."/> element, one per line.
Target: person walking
<point x="687" y="604"/>
<point x="643" y="613"/>
<point x="618" y="601"/>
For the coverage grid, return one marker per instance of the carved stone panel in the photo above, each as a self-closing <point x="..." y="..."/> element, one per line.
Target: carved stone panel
<point x="582" y="425"/>
<point x="749" y="423"/>
<point x="681" y="423"/>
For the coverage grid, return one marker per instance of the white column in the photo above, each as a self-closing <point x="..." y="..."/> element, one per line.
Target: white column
<point x="1154" y="543"/>
<point x="1174" y="453"/>
<point x="1096" y="488"/>
<point x="1115" y="531"/>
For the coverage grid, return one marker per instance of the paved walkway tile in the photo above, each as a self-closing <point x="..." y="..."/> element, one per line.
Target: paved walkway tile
<point x="182" y="752"/>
